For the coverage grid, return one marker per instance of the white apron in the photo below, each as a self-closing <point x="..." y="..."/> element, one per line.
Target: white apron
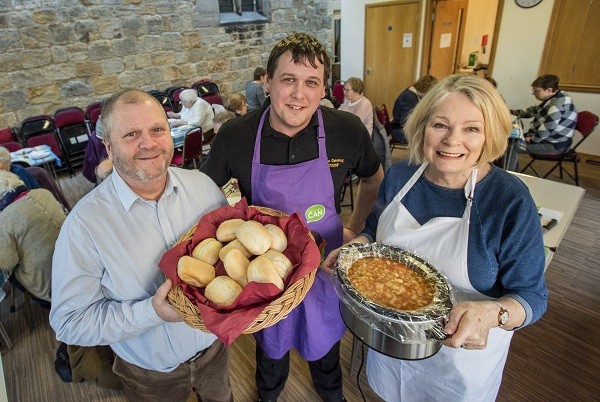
<point x="451" y="374"/>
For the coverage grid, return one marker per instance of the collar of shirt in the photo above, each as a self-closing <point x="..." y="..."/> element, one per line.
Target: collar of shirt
<point x="127" y="196"/>
<point x="269" y="131"/>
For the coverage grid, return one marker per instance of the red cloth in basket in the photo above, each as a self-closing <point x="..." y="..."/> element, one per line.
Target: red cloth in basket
<point x="229" y="323"/>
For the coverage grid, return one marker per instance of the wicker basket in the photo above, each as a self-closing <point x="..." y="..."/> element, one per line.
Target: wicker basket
<point x="271" y="314"/>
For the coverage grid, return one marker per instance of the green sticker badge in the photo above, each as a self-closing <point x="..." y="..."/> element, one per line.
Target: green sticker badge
<point x="314" y="213"/>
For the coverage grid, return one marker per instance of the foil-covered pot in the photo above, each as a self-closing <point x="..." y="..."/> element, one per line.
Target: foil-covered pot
<point x="410" y="335"/>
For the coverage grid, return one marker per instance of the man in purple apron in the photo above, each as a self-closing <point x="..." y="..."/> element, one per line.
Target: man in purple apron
<point x="293" y="156"/>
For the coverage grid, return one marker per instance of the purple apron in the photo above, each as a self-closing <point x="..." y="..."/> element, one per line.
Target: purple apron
<point x="315" y="325"/>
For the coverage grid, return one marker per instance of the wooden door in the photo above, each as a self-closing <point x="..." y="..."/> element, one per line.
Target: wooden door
<point x="446" y="37"/>
<point x="391" y="43"/>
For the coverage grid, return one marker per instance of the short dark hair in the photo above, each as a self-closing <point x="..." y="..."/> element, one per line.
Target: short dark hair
<point x="546" y="81"/>
<point x="303" y="47"/>
<point x="259" y="72"/>
<point x="425" y="83"/>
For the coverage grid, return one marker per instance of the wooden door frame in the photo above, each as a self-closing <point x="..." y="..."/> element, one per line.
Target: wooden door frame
<point x="429" y="7"/>
<point x="416" y="42"/>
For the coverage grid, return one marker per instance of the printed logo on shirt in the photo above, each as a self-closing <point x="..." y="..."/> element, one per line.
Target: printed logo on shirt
<point x="314" y="213"/>
<point x="335" y="162"/>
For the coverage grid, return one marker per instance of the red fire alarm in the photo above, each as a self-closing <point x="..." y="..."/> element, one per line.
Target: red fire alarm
<point x="484" y="40"/>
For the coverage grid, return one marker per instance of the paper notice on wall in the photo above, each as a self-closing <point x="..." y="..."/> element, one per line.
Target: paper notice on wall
<point x="445" y="40"/>
<point x="407" y="40"/>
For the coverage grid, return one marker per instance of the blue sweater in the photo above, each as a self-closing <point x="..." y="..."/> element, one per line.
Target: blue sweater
<point x="506" y="250"/>
<point x="25" y="176"/>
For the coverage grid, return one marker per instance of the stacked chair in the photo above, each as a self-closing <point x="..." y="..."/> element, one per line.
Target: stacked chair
<point x="163" y="99"/>
<point x="338" y="91"/>
<point x="91" y="107"/>
<point x="173" y="94"/>
<point x="209" y="91"/>
<point x="8" y="140"/>
<point x="40" y="130"/>
<point x="73" y="131"/>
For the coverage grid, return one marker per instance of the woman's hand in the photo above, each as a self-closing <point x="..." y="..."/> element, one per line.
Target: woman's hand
<point x="470" y="323"/>
<point x="173" y="115"/>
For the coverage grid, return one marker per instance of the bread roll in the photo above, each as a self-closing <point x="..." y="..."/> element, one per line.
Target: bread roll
<point x="262" y="270"/>
<point x="208" y="250"/>
<point x="278" y="237"/>
<point x="222" y="291"/>
<point x="195" y="272"/>
<point x="231" y="245"/>
<point x="236" y="266"/>
<point x="226" y="230"/>
<point x="254" y="237"/>
<point x="282" y="264"/>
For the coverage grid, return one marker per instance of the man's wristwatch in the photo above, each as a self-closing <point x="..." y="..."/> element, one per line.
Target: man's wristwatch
<point x="502" y="315"/>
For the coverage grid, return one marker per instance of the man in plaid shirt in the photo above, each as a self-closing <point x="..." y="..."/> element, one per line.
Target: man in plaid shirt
<point x="554" y="119"/>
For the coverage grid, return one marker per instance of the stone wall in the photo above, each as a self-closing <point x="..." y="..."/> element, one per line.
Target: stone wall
<point x="58" y="53"/>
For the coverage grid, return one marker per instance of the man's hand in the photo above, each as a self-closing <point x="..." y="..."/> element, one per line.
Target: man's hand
<point x="162" y="306"/>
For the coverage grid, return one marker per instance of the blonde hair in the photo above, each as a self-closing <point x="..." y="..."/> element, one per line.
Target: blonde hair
<point x="8" y="182"/>
<point x="484" y="96"/>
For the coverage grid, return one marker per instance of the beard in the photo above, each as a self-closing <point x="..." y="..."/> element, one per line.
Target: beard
<point x="128" y="168"/>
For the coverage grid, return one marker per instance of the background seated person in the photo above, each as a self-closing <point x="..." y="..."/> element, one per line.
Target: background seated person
<point x="195" y="111"/>
<point x="236" y="103"/>
<point x="327" y="102"/>
<point x="19" y="170"/>
<point x="98" y="128"/>
<point x="103" y="170"/>
<point x="356" y="103"/>
<point x="31" y="221"/>
<point x="553" y="125"/>
<point x="255" y="90"/>
<point x="220" y="119"/>
<point x="406" y="102"/>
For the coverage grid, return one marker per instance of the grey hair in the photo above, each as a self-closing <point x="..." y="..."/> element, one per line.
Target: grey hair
<point x="129" y="96"/>
<point x="188" y="95"/>
<point x="8" y="182"/>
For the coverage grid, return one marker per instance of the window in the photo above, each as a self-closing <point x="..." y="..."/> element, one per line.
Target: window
<point x="243" y="11"/>
<point x="572" y="48"/>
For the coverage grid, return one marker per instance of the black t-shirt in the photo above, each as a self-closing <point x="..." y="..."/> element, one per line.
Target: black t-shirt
<point x="348" y="144"/>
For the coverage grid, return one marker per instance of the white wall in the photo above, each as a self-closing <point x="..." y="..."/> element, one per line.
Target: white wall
<point x="519" y="48"/>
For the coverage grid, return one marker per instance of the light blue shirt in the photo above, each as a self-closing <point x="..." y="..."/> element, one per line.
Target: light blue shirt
<point x="105" y="269"/>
